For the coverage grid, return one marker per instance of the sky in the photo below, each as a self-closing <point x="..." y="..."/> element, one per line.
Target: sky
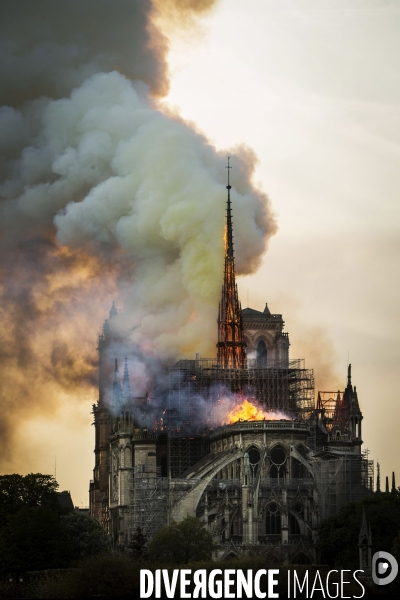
<point x="312" y="88"/>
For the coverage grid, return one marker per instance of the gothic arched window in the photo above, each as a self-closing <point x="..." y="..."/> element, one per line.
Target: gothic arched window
<point x="272" y="519"/>
<point x="254" y="459"/>
<point x="278" y="462"/>
<point x="261" y="354"/>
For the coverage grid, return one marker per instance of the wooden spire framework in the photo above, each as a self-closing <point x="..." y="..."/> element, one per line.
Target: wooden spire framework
<point x="231" y="345"/>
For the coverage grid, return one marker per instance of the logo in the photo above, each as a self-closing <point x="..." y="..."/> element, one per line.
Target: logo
<point x="384" y="568"/>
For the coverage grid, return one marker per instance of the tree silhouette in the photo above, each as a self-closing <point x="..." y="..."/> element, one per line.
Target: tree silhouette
<point x="18" y="491"/>
<point x="338" y="535"/>
<point x="181" y="543"/>
<point x="33" y="539"/>
<point x="137" y="546"/>
<point x="86" y="536"/>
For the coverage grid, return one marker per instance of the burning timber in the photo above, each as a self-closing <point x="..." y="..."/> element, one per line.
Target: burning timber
<point x="237" y="440"/>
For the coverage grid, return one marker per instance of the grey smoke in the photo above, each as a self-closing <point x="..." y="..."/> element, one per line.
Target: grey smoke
<point x="104" y="196"/>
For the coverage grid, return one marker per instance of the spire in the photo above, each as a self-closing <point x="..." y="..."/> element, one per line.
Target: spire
<point x="356" y="406"/>
<point x="387" y="485"/>
<point x="364" y="544"/>
<point x="231" y="345"/>
<point x="393" y="490"/>
<point x="378" y="478"/>
<point x="340" y="414"/>
<point x="126" y="386"/>
<point x="116" y="371"/>
<point x="229" y="229"/>
<point x="320" y="406"/>
<point x="351" y="406"/>
<point x="348" y="393"/>
<point x="116" y="386"/>
<point x="113" y="311"/>
<point x="364" y="527"/>
<point x="266" y="310"/>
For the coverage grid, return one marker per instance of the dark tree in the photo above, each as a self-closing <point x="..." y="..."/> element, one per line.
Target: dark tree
<point x="107" y="576"/>
<point x="86" y="536"/>
<point x="338" y="535"/>
<point x="181" y="543"/>
<point x="34" y="539"/>
<point x="18" y="491"/>
<point x="137" y="546"/>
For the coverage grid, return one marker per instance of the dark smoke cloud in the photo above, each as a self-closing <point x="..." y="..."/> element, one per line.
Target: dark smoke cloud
<point x="103" y="196"/>
<point x="48" y="47"/>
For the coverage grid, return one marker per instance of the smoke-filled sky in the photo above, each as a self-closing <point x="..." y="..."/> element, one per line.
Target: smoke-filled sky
<point x="313" y="87"/>
<point x="105" y="196"/>
<point x="116" y="121"/>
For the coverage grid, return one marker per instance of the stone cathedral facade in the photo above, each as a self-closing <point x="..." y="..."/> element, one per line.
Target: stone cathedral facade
<point x="259" y="482"/>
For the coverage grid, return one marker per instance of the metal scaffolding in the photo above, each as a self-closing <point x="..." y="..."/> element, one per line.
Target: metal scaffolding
<point x="196" y="385"/>
<point x="148" y="502"/>
<point x="342" y="476"/>
<point x="186" y="451"/>
<point x="331" y="402"/>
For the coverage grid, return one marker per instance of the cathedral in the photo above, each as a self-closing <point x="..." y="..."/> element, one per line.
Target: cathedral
<point x="238" y="441"/>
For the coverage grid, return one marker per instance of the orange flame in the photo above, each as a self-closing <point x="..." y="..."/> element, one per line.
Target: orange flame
<point x="246" y="412"/>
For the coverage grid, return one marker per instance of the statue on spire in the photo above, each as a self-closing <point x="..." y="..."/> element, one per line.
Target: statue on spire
<point x="231" y="345"/>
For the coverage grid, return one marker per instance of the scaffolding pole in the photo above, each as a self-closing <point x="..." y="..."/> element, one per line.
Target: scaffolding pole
<point x="343" y="478"/>
<point x="148" y="496"/>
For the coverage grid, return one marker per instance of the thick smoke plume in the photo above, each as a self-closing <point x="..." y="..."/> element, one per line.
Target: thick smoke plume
<point x="104" y="197"/>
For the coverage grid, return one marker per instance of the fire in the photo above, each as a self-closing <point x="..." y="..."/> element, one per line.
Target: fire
<point x="246" y="412"/>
